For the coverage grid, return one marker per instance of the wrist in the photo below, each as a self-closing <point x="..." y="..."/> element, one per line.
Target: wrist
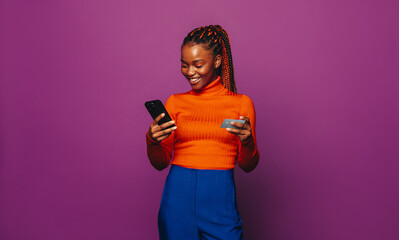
<point x="247" y="140"/>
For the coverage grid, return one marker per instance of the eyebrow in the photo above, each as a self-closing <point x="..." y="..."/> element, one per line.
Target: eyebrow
<point x="198" y="60"/>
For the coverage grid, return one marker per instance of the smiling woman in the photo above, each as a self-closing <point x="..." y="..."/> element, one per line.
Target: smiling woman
<point x="199" y="197"/>
<point x="198" y="65"/>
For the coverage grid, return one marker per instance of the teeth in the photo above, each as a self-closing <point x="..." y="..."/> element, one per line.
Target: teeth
<point x="194" y="79"/>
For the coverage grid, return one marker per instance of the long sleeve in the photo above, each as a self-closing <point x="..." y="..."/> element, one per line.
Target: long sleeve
<point x="199" y="142"/>
<point x="248" y="154"/>
<point x="160" y="153"/>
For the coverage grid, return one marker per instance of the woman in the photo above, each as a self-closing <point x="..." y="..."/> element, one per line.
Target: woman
<point x="198" y="200"/>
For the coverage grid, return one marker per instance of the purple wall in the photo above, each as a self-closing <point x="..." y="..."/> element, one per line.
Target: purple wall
<point x="74" y="76"/>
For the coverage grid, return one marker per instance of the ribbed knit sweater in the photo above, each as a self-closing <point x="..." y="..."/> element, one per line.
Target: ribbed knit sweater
<point x="199" y="142"/>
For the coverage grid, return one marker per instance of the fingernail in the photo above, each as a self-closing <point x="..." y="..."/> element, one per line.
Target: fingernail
<point x="228" y="129"/>
<point x="173" y="122"/>
<point x="175" y="127"/>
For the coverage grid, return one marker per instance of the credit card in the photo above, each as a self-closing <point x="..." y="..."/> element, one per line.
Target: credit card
<point x="227" y="123"/>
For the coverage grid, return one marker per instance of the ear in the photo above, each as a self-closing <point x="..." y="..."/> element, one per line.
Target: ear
<point x="218" y="61"/>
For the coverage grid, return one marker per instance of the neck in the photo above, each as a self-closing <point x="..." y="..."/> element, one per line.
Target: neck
<point x="211" y="89"/>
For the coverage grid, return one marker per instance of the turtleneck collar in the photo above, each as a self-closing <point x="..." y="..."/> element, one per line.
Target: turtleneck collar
<point x="211" y="89"/>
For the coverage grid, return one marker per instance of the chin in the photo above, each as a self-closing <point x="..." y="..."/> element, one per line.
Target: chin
<point x="196" y="88"/>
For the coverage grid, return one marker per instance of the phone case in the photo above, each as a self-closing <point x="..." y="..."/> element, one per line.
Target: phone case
<point x="155" y="108"/>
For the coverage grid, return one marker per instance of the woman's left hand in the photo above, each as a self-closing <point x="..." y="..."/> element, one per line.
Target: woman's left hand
<point x="243" y="131"/>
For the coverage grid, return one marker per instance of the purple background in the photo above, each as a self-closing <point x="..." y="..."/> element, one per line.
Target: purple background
<point x="75" y="75"/>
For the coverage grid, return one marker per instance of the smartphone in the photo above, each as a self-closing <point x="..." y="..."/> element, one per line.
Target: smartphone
<point x="155" y="108"/>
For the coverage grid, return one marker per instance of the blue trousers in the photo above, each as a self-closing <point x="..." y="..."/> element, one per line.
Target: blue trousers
<point x="199" y="204"/>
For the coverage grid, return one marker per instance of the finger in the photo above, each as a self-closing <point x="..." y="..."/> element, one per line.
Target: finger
<point x="244" y="118"/>
<point x="164" y="132"/>
<point x="237" y="124"/>
<point x="247" y="124"/>
<point x="160" y="116"/>
<point x="167" y="124"/>
<point x="247" y="120"/>
<point x="234" y="130"/>
<point x="162" y="137"/>
<point x="155" y="127"/>
<point x="239" y="132"/>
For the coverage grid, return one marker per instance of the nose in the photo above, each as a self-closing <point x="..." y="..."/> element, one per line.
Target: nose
<point x="190" y="71"/>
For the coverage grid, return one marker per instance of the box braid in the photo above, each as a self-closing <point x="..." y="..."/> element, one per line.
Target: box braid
<point x="216" y="39"/>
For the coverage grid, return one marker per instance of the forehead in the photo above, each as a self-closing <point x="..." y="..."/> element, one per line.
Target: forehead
<point x="192" y="52"/>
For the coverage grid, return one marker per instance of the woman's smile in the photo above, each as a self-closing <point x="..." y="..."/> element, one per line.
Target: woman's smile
<point x="194" y="81"/>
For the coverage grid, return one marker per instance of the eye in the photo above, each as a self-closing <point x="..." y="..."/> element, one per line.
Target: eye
<point x="199" y="66"/>
<point x="183" y="66"/>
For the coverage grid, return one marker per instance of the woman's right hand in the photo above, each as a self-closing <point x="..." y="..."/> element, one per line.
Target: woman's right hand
<point x="160" y="132"/>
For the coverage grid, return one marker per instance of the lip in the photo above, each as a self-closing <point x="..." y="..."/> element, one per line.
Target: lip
<point x="193" y="83"/>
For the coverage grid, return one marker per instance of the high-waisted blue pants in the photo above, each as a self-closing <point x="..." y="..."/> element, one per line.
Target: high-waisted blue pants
<point x="199" y="204"/>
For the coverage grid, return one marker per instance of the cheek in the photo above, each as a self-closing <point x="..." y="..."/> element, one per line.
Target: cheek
<point x="204" y="70"/>
<point x="183" y="70"/>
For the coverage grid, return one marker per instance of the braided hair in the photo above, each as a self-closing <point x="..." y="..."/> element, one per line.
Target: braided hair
<point x="216" y="39"/>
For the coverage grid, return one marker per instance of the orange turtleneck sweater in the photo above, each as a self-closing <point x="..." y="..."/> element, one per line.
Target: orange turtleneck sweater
<point x="199" y="142"/>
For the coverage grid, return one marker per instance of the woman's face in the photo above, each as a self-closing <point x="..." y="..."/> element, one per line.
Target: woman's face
<point x="198" y="65"/>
